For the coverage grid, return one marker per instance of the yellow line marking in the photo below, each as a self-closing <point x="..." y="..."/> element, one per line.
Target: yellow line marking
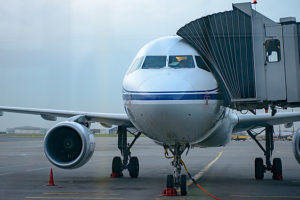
<point x="197" y="176"/>
<point x="76" y="193"/>
<point x="272" y="197"/>
<point x="170" y="198"/>
<point x="109" y="198"/>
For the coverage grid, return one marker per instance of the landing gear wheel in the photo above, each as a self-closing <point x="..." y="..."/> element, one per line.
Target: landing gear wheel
<point x="117" y="166"/>
<point x="277" y="169"/>
<point x="183" y="185"/>
<point x="259" y="169"/>
<point x="133" y="167"/>
<point x="170" y="181"/>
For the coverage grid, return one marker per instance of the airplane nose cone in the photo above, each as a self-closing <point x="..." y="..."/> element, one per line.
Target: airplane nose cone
<point x="168" y="105"/>
<point x="169" y="80"/>
<point x="164" y="82"/>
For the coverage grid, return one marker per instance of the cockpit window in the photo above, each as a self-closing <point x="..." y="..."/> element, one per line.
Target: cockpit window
<point x="181" y="62"/>
<point x="201" y="64"/>
<point x="154" y="62"/>
<point x="136" y="64"/>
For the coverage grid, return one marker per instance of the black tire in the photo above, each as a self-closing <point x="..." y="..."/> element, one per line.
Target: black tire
<point x="183" y="185"/>
<point x="259" y="169"/>
<point x="117" y="165"/>
<point x="277" y="169"/>
<point x="170" y="181"/>
<point x="133" y="167"/>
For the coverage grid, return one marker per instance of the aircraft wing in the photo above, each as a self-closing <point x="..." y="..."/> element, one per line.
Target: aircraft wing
<point x="48" y="114"/>
<point x="247" y="122"/>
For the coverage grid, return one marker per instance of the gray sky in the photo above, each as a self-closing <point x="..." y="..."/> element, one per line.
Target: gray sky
<point x="73" y="54"/>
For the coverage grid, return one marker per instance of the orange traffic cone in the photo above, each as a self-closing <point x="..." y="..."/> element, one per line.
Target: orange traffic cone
<point x="51" y="181"/>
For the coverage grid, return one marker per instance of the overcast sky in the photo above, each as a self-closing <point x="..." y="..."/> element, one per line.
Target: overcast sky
<point x="73" y="54"/>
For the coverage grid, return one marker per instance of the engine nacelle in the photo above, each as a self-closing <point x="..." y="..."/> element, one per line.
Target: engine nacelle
<point x="69" y="145"/>
<point x="296" y="145"/>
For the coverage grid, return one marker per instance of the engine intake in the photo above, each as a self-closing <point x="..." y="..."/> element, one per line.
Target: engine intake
<point x="296" y="145"/>
<point x="69" y="145"/>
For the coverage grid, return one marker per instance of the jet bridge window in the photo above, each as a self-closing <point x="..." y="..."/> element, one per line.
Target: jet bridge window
<point x="154" y="62"/>
<point x="273" y="51"/>
<point x="181" y="62"/>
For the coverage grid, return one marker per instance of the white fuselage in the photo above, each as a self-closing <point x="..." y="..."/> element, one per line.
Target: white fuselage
<point x="172" y="105"/>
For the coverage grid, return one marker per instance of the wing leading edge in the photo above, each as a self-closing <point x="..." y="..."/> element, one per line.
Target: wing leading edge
<point x="247" y="122"/>
<point x="48" y="114"/>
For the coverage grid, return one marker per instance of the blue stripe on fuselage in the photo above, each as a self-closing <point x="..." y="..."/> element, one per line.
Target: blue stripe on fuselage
<point x="164" y="96"/>
<point x="171" y="92"/>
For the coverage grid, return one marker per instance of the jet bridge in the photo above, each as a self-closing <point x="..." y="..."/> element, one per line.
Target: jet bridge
<point x="254" y="59"/>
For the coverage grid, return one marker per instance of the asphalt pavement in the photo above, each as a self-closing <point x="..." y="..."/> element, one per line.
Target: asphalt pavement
<point x="225" y="172"/>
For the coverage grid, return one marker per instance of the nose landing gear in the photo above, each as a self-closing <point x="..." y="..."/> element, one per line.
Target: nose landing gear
<point x="176" y="181"/>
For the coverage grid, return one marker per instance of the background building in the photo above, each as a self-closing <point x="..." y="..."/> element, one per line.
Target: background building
<point x="112" y="130"/>
<point x="26" y="130"/>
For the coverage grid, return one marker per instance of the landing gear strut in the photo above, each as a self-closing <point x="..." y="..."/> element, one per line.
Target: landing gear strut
<point x="260" y="168"/>
<point x="127" y="162"/>
<point x="176" y="180"/>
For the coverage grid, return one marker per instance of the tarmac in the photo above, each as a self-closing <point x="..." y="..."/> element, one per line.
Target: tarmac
<point x="225" y="172"/>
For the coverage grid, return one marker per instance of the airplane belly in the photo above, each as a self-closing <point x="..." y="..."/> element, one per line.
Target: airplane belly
<point x="174" y="121"/>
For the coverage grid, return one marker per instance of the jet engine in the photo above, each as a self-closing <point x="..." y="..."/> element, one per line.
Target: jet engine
<point x="69" y="145"/>
<point x="296" y="145"/>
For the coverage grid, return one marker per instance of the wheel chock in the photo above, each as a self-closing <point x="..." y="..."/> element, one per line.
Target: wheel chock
<point x="277" y="177"/>
<point x="116" y="175"/>
<point x="169" y="192"/>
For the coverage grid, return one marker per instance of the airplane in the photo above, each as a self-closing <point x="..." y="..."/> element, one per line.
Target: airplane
<point x="172" y="97"/>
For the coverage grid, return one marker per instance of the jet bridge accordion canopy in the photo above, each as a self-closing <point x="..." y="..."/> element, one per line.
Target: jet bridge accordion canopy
<point x="224" y="41"/>
<point x="247" y="53"/>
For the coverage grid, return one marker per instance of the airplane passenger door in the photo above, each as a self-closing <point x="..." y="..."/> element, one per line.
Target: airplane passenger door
<point x="274" y="63"/>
